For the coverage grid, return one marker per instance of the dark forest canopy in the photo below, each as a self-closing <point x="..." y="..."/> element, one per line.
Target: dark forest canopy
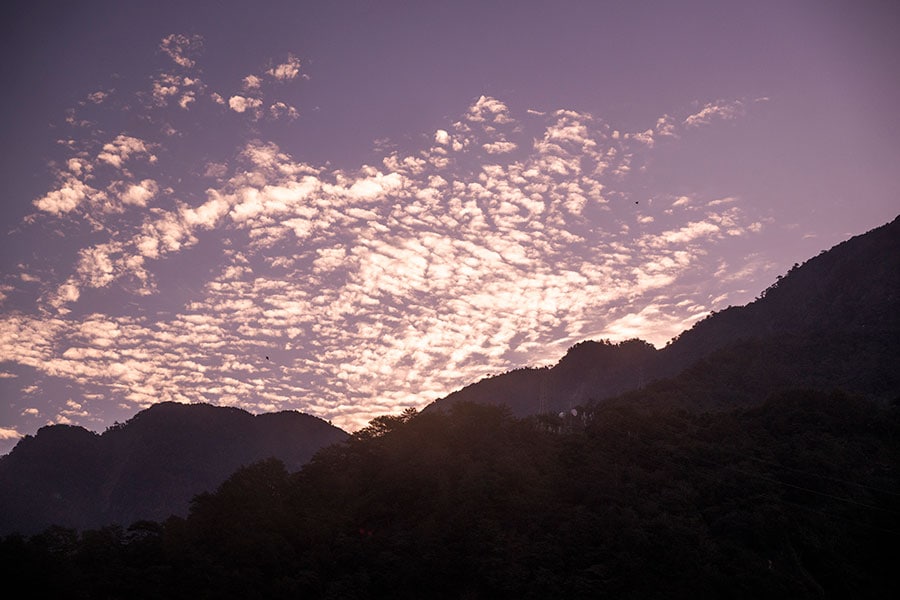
<point x="798" y="497"/>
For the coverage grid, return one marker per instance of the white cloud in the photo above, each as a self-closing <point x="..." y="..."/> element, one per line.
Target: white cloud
<point x="489" y="110"/>
<point x="67" y="293"/>
<point x="252" y="82"/>
<point x="240" y="104"/>
<point x="186" y="100"/>
<point x="98" y="97"/>
<point x="8" y="433"/>
<point x="500" y="147"/>
<point x="66" y="198"/>
<point x="164" y="87"/>
<point x="180" y="47"/>
<point x="122" y="148"/>
<point x="139" y="194"/>
<point x="665" y="126"/>
<point x="280" y="110"/>
<point x="725" y="110"/>
<point x="287" y="70"/>
<point x="207" y="214"/>
<point x="376" y="286"/>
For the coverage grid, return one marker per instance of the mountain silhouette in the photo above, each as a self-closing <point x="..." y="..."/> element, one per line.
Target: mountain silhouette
<point x="589" y="368"/>
<point x="147" y="468"/>
<point x="771" y="483"/>
<point x="833" y="322"/>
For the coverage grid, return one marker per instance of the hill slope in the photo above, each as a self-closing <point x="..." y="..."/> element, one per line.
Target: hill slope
<point x="148" y="468"/>
<point x="796" y="498"/>
<point x="833" y="322"/>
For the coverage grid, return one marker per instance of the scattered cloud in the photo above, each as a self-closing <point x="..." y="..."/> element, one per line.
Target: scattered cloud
<point x="720" y="110"/>
<point x="287" y="70"/>
<point x="7" y="433"/>
<point x="385" y="285"/>
<point x="122" y="148"/>
<point x="281" y="110"/>
<point x="66" y="198"/>
<point x="182" y="49"/>
<point x="98" y="97"/>
<point x="242" y="104"/>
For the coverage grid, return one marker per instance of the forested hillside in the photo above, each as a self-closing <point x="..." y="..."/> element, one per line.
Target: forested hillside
<point x="799" y="498"/>
<point x="147" y="468"/>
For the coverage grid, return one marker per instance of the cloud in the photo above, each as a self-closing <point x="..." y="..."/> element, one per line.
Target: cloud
<point x="7" y="433"/>
<point x="71" y="193"/>
<point x="98" y="97"/>
<point x="182" y="89"/>
<point x="723" y="110"/>
<point x="280" y="110"/>
<point x="164" y="87"/>
<point x="287" y="70"/>
<point x="665" y="126"/>
<point x="487" y="109"/>
<point x="500" y="147"/>
<point x="139" y="194"/>
<point x="241" y="104"/>
<point x="180" y="48"/>
<point x="122" y="148"/>
<point x="370" y="288"/>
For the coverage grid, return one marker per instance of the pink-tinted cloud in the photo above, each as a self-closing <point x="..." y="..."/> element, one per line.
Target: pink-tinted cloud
<point x="498" y="241"/>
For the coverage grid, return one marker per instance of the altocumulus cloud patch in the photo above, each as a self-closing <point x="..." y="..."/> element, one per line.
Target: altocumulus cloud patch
<point x="500" y="240"/>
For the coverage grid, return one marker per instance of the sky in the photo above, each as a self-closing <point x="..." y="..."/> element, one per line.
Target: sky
<point x="351" y="208"/>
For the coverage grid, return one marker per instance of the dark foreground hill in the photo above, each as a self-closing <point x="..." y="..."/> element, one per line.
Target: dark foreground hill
<point x="831" y="323"/>
<point x="722" y="466"/>
<point x="796" y="498"/>
<point x="147" y="468"/>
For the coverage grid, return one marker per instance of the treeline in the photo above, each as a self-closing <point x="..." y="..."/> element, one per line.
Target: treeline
<point x="799" y="497"/>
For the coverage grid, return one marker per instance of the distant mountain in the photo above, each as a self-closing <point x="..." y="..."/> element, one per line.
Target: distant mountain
<point x="147" y="468"/>
<point x="833" y="322"/>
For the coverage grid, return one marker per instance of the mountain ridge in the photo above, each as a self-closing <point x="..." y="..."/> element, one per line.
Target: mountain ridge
<point x="147" y="468"/>
<point x="829" y="323"/>
<point x="849" y="291"/>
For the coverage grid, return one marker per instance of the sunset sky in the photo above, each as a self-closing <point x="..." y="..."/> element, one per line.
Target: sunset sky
<point x="350" y="208"/>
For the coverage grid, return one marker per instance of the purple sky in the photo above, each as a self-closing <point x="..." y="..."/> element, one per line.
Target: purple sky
<point x="391" y="200"/>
